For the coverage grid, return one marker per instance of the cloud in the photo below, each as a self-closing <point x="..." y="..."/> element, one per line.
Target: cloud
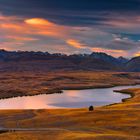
<point x="115" y="53"/>
<point x="137" y="54"/>
<point x="122" y="44"/>
<point x="39" y="21"/>
<point x="38" y="33"/>
<point x="75" y="44"/>
<point x="17" y="38"/>
<point x="33" y="26"/>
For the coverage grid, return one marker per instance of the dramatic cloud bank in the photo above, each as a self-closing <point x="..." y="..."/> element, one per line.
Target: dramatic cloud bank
<point x="75" y="26"/>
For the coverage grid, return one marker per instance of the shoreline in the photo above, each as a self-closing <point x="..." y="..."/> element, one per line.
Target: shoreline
<point x="122" y="91"/>
<point x="23" y="84"/>
<point x="60" y="91"/>
<point x="112" y="120"/>
<point x="132" y="95"/>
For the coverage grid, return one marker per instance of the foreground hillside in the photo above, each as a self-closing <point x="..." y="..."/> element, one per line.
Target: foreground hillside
<point x="116" y="122"/>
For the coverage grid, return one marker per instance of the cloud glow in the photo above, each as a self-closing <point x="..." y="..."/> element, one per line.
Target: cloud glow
<point x="39" y="21"/>
<point x="22" y="33"/>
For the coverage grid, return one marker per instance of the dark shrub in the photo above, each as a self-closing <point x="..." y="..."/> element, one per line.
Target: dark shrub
<point x="91" y="108"/>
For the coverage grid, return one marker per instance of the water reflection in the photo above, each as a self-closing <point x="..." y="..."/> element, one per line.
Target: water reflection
<point x="69" y="99"/>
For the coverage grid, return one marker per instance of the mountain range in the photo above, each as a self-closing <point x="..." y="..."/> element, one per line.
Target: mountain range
<point x="44" y="61"/>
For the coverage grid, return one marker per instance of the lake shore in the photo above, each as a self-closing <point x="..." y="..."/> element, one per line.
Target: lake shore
<point x="30" y="84"/>
<point x="68" y="99"/>
<point x="119" y="121"/>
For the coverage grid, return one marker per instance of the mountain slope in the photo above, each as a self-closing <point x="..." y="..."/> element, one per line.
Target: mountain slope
<point x="133" y="64"/>
<point x="105" y="57"/>
<point x="44" y="61"/>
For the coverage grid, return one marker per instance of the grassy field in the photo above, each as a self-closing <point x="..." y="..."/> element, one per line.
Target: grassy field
<point x="23" y="84"/>
<point x="116" y="122"/>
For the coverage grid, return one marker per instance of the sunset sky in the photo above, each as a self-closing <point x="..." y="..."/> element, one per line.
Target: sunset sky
<point x="71" y="26"/>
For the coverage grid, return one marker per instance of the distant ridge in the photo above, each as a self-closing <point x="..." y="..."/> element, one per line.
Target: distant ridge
<point x="44" y="61"/>
<point x="133" y="64"/>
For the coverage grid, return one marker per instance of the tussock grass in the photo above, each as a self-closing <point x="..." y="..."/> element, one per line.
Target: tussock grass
<point x="115" y="122"/>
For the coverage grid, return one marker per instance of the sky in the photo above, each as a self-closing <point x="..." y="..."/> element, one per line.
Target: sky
<point x="71" y="26"/>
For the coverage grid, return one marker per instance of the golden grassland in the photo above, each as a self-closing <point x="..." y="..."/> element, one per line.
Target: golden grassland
<point x="27" y="83"/>
<point x="116" y="122"/>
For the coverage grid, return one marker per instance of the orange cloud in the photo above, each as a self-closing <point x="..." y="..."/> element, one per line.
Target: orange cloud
<point x="47" y="28"/>
<point x="75" y="44"/>
<point x="7" y="18"/>
<point x="137" y="54"/>
<point x="110" y="51"/>
<point x="19" y="31"/>
<point x="78" y="45"/>
<point x="11" y="26"/>
<point x="17" y="38"/>
<point x="34" y="26"/>
<point x="9" y="45"/>
<point x="38" y="21"/>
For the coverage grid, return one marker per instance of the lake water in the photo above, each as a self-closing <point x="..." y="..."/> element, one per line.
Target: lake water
<point x="68" y="99"/>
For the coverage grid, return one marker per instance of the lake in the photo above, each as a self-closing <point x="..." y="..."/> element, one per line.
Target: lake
<point x="68" y="99"/>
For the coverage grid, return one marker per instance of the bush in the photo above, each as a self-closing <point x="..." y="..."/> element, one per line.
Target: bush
<point x="91" y="108"/>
